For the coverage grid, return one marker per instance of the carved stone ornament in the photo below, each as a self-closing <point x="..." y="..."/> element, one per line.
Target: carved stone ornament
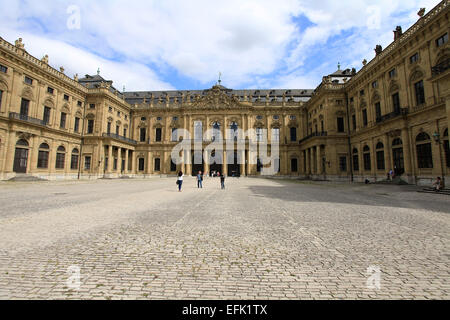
<point x="215" y="98"/>
<point x="395" y="133"/>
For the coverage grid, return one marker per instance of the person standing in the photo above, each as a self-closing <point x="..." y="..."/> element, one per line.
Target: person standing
<point x="180" y="181"/>
<point x="222" y="181"/>
<point x="200" y="180"/>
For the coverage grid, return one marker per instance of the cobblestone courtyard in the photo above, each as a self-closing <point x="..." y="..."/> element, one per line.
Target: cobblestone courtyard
<point x="258" y="239"/>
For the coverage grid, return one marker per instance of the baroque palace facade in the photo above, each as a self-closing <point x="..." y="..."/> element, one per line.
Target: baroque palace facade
<point x="392" y="114"/>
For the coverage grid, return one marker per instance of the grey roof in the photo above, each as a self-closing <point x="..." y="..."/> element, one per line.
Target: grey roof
<point x="92" y="82"/>
<point x="342" y="73"/>
<point x="275" y="95"/>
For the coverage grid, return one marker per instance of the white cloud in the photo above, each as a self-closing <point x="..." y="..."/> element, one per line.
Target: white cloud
<point x="252" y="42"/>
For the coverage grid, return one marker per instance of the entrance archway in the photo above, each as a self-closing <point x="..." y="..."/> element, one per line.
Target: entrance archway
<point x="21" y="157"/>
<point x="234" y="168"/>
<point x="198" y="163"/>
<point x="398" y="158"/>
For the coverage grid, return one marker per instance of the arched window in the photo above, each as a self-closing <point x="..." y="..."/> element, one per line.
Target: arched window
<point x="367" y="163"/>
<point x="234" y="130"/>
<point x="198" y="131"/>
<point x="22" y="142"/>
<point x="216" y="131"/>
<point x="60" y="157"/>
<point x="355" y="160"/>
<point x="397" y="142"/>
<point x="43" y="156"/>
<point x="74" y="159"/>
<point x="380" y="156"/>
<point x="424" y="152"/>
<point x="446" y="148"/>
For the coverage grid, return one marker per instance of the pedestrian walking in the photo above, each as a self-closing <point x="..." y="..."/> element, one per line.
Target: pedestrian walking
<point x="222" y="181"/>
<point x="200" y="180"/>
<point x="437" y="184"/>
<point x="180" y="180"/>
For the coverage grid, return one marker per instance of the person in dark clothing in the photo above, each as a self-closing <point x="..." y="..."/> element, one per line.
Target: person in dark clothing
<point x="200" y="180"/>
<point x="222" y="181"/>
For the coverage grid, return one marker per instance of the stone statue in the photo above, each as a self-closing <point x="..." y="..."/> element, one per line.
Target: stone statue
<point x="45" y="59"/>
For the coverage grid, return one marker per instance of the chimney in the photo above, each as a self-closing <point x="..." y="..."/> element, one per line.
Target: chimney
<point x="398" y="33"/>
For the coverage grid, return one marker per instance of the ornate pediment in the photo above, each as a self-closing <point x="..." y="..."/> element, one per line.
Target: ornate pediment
<point x="216" y="98"/>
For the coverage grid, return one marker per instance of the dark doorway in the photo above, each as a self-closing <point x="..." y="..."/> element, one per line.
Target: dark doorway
<point x="399" y="165"/>
<point x="21" y="160"/>
<point x="234" y="168"/>
<point x="197" y="163"/>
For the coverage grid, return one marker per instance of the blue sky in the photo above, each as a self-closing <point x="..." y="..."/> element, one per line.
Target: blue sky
<point x="183" y="45"/>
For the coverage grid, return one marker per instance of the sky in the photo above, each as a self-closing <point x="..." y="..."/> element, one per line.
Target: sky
<point x="150" y="45"/>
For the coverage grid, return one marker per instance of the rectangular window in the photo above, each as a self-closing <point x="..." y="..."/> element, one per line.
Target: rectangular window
<point x="141" y="164"/>
<point x="66" y="97"/>
<point x="1" y="98"/>
<point x="447" y="153"/>
<point x="62" y="122"/>
<point x="50" y="90"/>
<point x="420" y="93"/>
<point x="424" y="156"/>
<point x="276" y="134"/>
<point x="375" y="84"/>
<point x="3" y="69"/>
<point x="28" y="80"/>
<point x="355" y="162"/>
<point x="442" y="40"/>
<point x="90" y="127"/>
<point x="343" y="164"/>
<point x="380" y="160"/>
<point x="158" y="135"/>
<point x="91" y="106"/>
<point x="354" y="121"/>
<point x="364" y="114"/>
<point x="142" y="135"/>
<point x="340" y="124"/>
<point x="77" y="125"/>
<point x="42" y="160"/>
<point x="46" y="116"/>
<point x="361" y="93"/>
<point x="322" y="126"/>
<point x="79" y="103"/>
<point x="293" y="134"/>
<point x="392" y="73"/>
<point x="367" y="164"/>
<point x="125" y="132"/>
<point x="294" y="165"/>
<point x="378" y="111"/>
<point x="174" y="135"/>
<point x="24" y="106"/>
<point x="108" y="128"/>
<point x="157" y="164"/>
<point x="117" y="130"/>
<point x="414" y="58"/>
<point x="87" y="163"/>
<point x="259" y="134"/>
<point x="74" y="162"/>
<point x="60" y="159"/>
<point x="396" y="102"/>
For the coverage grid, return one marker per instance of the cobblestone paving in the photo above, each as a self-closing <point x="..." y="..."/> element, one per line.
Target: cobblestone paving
<point x="258" y="239"/>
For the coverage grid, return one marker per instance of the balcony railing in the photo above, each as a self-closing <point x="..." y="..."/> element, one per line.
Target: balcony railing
<point x="313" y="135"/>
<point x="392" y="115"/>
<point x="441" y="68"/>
<point x="121" y="138"/>
<point x="18" y="116"/>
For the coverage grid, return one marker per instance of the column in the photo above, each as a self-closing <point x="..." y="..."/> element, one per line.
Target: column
<point x="133" y="162"/>
<point x="388" y="153"/>
<point x="126" y="161"/>
<point x="150" y="164"/>
<point x="447" y="104"/>
<point x="285" y="170"/>
<point x="242" y="164"/>
<point x="224" y="165"/>
<point x="308" y="171"/>
<point x="110" y="159"/>
<point x="407" y="154"/>
<point x="33" y="155"/>
<point x="205" y="161"/>
<point x="319" y="160"/>
<point x="119" y="160"/>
